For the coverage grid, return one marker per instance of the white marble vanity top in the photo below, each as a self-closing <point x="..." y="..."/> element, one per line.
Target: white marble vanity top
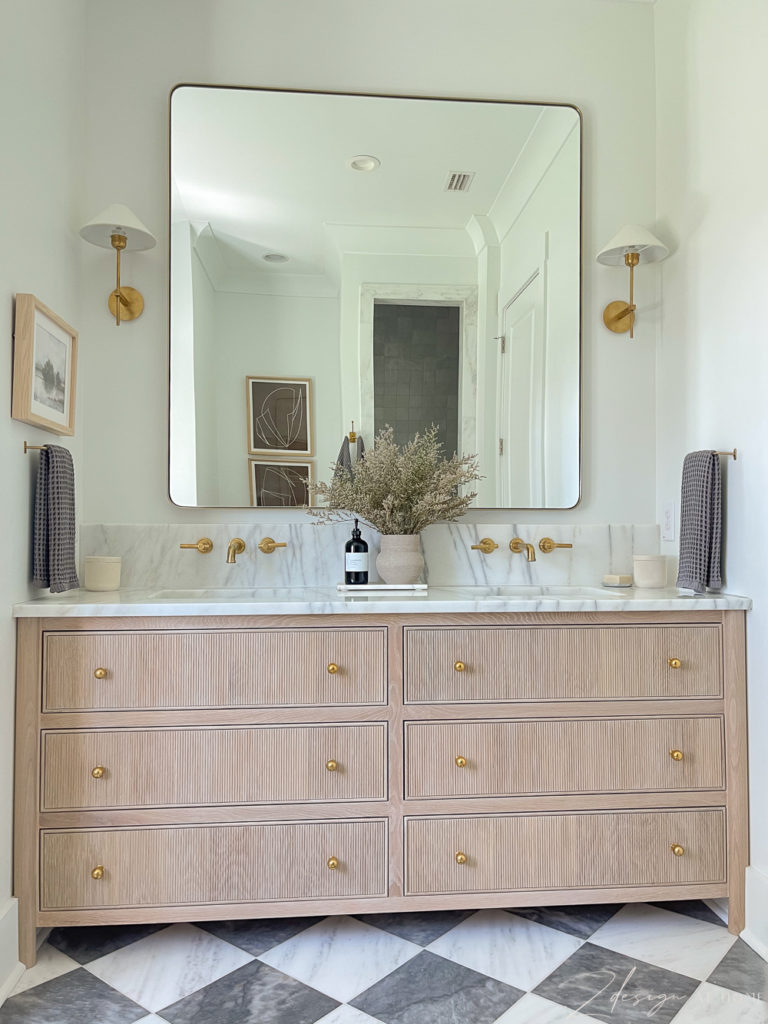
<point x="328" y="601"/>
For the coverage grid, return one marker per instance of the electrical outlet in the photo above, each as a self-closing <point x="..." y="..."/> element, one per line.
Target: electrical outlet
<point x="668" y="521"/>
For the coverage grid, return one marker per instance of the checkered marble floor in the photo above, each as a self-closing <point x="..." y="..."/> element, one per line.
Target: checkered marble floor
<point x="626" y="964"/>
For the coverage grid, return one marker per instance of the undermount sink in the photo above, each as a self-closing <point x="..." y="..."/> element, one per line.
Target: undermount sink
<point x="234" y="593"/>
<point x="535" y="592"/>
<point x="529" y="592"/>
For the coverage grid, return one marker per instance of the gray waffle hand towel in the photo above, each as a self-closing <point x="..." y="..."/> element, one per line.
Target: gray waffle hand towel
<point x="53" y="553"/>
<point x="344" y="458"/>
<point x="700" y="523"/>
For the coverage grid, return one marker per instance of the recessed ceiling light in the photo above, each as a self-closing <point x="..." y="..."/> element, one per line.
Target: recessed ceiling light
<point x="364" y="162"/>
<point x="274" y="257"/>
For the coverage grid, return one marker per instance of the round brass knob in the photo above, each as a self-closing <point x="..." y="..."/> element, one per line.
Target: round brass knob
<point x="676" y="755"/>
<point x="333" y="669"/>
<point x="461" y="858"/>
<point x="333" y="863"/>
<point x="331" y="765"/>
<point x="98" y="872"/>
<point x="459" y="666"/>
<point x="461" y="762"/>
<point x="100" y="673"/>
<point x="677" y="849"/>
<point x="98" y="771"/>
<point x="674" y="663"/>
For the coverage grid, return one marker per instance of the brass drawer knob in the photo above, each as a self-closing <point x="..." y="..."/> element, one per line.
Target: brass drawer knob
<point x="459" y="666"/>
<point x="331" y="765"/>
<point x="674" y="663"/>
<point x="461" y="762"/>
<point x="100" y="673"/>
<point x="333" y="863"/>
<point x="98" y="872"/>
<point x="461" y="858"/>
<point x="333" y="668"/>
<point x="98" y="771"/>
<point x="677" y="849"/>
<point x="676" y="755"/>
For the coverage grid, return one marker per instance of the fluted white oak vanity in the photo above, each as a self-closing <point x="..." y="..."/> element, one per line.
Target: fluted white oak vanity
<point x="289" y="754"/>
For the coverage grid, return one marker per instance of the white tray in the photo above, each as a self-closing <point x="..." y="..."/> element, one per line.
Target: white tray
<point x="372" y="588"/>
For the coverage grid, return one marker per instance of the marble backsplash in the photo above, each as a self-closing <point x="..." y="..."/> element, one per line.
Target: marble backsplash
<point x="314" y="555"/>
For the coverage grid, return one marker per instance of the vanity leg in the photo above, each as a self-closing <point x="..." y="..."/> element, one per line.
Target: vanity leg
<point x="25" y="867"/>
<point x="734" y="658"/>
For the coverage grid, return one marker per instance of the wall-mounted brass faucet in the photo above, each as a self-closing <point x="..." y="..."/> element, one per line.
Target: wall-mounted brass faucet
<point x="235" y="547"/>
<point x="267" y="545"/>
<point x="204" y="545"/>
<point x="517" y="546"/>
<point x="547" y="545"/>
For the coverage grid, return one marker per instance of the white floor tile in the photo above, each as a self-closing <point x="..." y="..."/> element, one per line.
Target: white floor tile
<point x="341" y="956"/>
<point x="168" y="965"/>
<point x="506" y="947"/>
<point x="667" y="939"/>
<point x="532" y="1009"/>
<point x="711" y="1004"/>
<point x="51" y="963"/>
<point x="347" y="1015"/>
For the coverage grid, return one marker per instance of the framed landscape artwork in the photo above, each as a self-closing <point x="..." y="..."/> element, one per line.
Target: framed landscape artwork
<point x="279" y="416"/>
<point x="44" y="367"/>
<point x="278" y="483"/>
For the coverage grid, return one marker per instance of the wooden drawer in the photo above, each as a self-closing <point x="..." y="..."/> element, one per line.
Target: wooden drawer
<point x="166" y="866"/>
<point x="254" y="764"/>
<point x="525" y="663"/>
<point x="513" y="758"/>
<point x="226" y="668"/>
<point x="564" y="851"/>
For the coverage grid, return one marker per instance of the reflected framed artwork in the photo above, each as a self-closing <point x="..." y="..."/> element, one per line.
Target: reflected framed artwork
<point x="279" y="483"/>
<point x="279" y="416"/>
<point x="44" y="367"/>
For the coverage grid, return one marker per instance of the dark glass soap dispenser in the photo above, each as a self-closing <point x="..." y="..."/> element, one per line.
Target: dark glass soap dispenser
<point x="355" y="559"/>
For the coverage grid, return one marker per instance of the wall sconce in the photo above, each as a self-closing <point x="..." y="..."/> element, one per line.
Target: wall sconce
<point x="119" y="228"/>
<point x="632" y="245"/>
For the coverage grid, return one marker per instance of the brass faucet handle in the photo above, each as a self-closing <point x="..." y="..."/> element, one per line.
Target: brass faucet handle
<point x="517" y="546"/>
<point x="547" y="545"/>
<point x="204" y="545"/>
<point x="486" y="545"/>
<point x="267" y="545"/>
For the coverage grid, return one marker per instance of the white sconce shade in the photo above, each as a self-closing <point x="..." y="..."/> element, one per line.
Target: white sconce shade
<point x="118" y="220"/>
<point x="120" y="229"/>
<point x="632" y="238"/>
<point x="629" y="247"/>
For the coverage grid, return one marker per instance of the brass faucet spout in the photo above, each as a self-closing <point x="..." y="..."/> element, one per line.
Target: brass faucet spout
<point x="517" y="546"/>
<point x="235" y="547"/>
<point x="530" y="552"/>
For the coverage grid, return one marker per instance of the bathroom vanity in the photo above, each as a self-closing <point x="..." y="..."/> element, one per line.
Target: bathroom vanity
<point x="192" y="759"/>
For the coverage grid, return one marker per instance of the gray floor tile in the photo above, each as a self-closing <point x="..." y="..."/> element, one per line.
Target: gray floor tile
<point x="254" y="994"/>
<point x="256" y="937"/>
<point x="74" y="998"/>
<point x="692" y="908"/>
<point x="431" y="990"/>
<point x="421" y="928"/>
<point x="87" y="944"/>
<point x="612" y="987"/>
<point x="742" y="970"/>
<point x="579" y="921"/>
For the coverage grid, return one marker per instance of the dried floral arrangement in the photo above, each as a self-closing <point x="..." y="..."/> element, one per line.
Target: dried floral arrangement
<point x="399" y="490"/>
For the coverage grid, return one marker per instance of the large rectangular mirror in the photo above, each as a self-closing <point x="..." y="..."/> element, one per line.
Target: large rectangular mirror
<point x="376" y="260"/>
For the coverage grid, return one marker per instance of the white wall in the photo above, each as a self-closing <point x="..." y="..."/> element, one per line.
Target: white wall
<point x="713" y="358"/>
<point x="41" y="95"/>
<point x="556" y="50"/>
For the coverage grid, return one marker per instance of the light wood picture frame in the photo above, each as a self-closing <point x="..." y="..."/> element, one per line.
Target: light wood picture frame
<point x="44" y="367"/>
<point x="280" y="483"/>
<point x="280" y="416"/>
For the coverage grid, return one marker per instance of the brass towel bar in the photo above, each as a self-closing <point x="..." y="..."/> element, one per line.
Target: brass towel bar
<point x="732" y="454"/>
<point x="33" y="447"/>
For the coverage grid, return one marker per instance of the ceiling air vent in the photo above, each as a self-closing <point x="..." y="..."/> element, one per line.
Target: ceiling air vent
<point x="459" y="181"/>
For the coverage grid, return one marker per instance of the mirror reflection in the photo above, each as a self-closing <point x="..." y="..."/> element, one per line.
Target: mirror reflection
<point x="340" y="263"/>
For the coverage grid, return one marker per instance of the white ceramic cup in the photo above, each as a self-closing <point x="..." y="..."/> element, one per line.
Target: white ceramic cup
<point x="102" y="572"/>
<point x="650" y="571"/>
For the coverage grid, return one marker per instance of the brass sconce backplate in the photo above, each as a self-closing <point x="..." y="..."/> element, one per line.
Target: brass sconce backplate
<point x="132" y="305"/>
<point x="613" y="319"/>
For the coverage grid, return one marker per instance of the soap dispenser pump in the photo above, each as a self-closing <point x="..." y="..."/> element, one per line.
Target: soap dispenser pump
<point x="355" y="559"/>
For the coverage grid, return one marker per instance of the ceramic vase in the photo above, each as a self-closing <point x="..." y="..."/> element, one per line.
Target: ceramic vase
<point x="400" y="559"/>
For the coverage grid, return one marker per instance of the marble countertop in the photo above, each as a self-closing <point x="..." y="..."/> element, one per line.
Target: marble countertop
<point x="328" y="601"/>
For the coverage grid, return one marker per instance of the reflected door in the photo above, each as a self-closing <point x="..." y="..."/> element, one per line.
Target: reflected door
<point x="522" y="397"/>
